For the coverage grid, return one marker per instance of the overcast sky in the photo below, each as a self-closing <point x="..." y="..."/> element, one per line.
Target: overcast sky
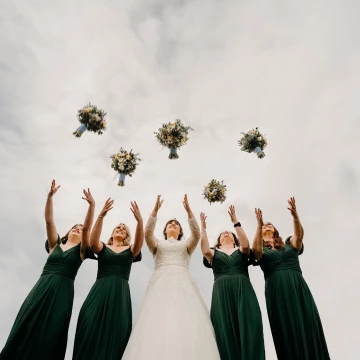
<point x="222" y="67"/>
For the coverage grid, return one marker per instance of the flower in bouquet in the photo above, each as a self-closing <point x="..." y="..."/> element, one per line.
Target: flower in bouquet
<point x="253" y="141"/>
<point x="124" y="163"/>
<point x="173" y="136"/>
<point x="92" y="119"/>
<point x="215" y="191"/>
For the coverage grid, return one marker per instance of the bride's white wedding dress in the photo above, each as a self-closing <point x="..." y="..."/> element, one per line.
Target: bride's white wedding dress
<point x="173" y="321"/>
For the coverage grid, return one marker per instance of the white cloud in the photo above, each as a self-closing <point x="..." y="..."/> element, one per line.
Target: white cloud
<point x="290" y="68"/>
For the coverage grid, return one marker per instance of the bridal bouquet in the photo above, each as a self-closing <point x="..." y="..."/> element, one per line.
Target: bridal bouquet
<point x="253" y="141"/>
<point x="92" y="119"/>
<point x="173" y="136"/>
<point x="124" y="163"/>
<point x="215" y="191"/>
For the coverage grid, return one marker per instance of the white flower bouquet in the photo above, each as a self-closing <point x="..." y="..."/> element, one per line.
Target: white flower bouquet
<point x="253" y="141"/>
<point x="215" y="191"/>
<point x="124" y="163"/>
<point x="173" y="136"/>
<point x="92" y="119"/>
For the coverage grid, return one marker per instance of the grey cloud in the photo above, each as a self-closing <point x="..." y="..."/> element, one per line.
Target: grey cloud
<point x="223" y="67"/>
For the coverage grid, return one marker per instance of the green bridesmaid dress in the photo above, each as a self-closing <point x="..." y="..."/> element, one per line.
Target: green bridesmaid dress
<point x="105" y="319"/>
<point x="235" y="311"/>
<point x="294" y="319"/>
<point x="41" y="327"/>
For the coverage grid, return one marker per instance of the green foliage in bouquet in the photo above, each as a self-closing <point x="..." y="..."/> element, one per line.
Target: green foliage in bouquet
<point x="173" y="136"/>
<point x="92" y="119"/>
<point x="215" y="191"/>
<point x="253" y="141"/>
<point x="124" y="163"/>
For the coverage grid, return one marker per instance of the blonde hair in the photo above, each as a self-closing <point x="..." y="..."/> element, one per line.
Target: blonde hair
<point x="127" y="240"/>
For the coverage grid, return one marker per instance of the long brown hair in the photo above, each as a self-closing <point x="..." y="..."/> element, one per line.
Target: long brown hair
<point x="278" y="241"/>
<point x="181" y="230"/>
<point x="65" y="238"/>
<point x="236" y="241"/>
<point x="128" y="235"/>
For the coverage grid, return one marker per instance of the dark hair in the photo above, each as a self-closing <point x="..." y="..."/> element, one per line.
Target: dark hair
<point x="64" y="239"/>
<point x="278" y="241"/>
<point x="128" y="235"/>
<point x="236" y="241"/>
<point x="181" y="230"/>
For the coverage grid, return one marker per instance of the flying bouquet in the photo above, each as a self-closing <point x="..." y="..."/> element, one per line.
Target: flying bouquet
<point x="92" y="119"/>
<point x="125" y="164"/>
<point x="173" y="136"/>
<point x="215" y="191"/>
<point x="253" y="141"/>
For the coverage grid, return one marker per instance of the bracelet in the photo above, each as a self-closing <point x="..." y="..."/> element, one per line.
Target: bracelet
<point x="297" y="219"/>
<point x="237" y="224"/>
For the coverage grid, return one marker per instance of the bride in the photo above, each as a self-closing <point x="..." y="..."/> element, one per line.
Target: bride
<point x="173" y="320"/>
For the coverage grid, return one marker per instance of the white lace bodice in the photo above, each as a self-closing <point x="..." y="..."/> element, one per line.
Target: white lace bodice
<point x="172" y="251"/>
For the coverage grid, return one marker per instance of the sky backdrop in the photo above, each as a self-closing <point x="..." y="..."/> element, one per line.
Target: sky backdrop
<point x="223" y="67"/>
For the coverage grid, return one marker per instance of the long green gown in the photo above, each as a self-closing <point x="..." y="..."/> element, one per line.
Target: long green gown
<point x="105" y="319"/>
<point x="40" y="330"/>
<point x="294" y="319"/>
<point x="235" y="311"/>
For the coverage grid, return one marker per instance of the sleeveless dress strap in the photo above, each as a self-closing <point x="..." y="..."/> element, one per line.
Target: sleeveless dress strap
<point x="251" y="260"/>
<point x="206" y="262"/>
<point x="138" y="258"/>
<point x="288" y="243"/>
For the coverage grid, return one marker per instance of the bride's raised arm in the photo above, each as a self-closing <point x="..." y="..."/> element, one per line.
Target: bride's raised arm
<point x="194" y="238"/>
<point x="150" y="238"/>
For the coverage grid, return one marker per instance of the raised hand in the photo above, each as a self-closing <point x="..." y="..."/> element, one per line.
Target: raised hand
<point x="135" y="210"/>
<point x="107" y="207"/>
<point x="259" y="217"/>
<point x="53" y="189"/>
<point x="186" y="204"/>
<point x="292" y="208"/>
<point x="232" y="214"/>
<point x="158" y="203"/>
<point x="203" y="221"/>
<point x="88" y="197"/>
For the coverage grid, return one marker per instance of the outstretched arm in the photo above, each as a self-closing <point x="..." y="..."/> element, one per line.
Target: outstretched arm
<point x="95" y="243"/>
<point x="89" y="219"/>
<point x="243" y="239"/>
<point x="139" y="233"/>
<point x="297" y="239"/>
<point x="51" y="232"/>
<point x="205" y="247"/>
<point x="150" y="238"/>
<point x="194" y="238"/>
<point x="257" y="247"/>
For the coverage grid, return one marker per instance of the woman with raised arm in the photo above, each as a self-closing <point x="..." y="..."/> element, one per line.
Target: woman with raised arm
<point x="294" y="319"/>
<point x="105" y="319"/>
<point x="235" y="311"/>
<point x="41" y="327"/>
<point x="173" y="321"/>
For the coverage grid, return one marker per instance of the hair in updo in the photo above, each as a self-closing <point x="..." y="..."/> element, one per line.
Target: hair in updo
<point x="236" y="241"/>
<point x="181" y="234"/>
<point x="278" y="241"/>
<point x="65" y="238"/>
<point x="128" y="235"/>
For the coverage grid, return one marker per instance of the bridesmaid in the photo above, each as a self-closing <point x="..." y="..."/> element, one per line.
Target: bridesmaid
<point x="294" y="319"/>
<point x="235" y="311"/>
<point x="41" y="327"/>
<point x="105" y="318"/>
